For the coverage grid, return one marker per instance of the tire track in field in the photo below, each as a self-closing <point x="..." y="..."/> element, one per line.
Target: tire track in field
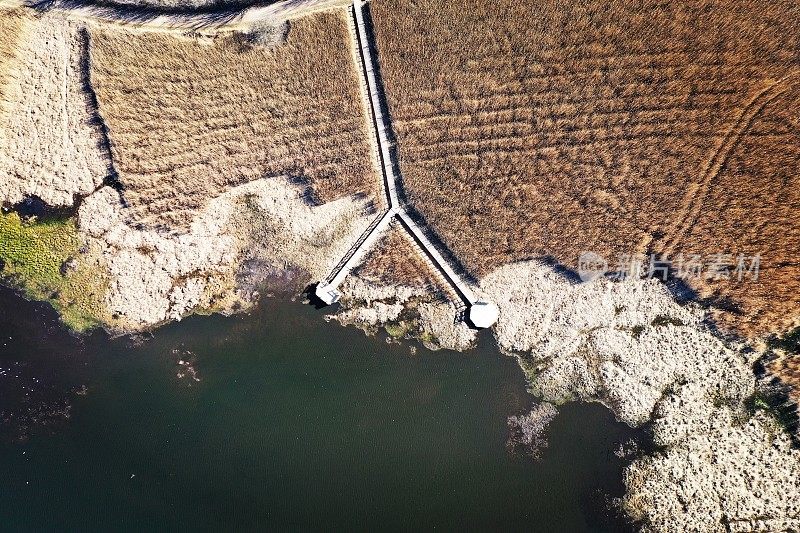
<point x="696" y="195"/>
<point x="624" y="106"/>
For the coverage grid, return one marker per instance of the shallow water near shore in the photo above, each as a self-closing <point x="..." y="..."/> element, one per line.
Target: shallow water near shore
<point x="281" y="420"/>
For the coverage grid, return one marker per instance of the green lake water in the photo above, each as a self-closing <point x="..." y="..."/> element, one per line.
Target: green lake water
<point x="295" y="423"/>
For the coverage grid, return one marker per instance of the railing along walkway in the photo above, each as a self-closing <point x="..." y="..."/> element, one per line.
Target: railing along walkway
<point x="379" y="129"/>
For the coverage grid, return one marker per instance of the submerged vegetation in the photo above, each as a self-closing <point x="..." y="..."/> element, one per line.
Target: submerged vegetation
<point x="397" y="330"/>
<point x="42" y="258"/>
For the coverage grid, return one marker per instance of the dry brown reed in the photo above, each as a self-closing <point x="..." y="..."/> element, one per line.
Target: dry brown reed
<point x="12" y="26"/>
<point x="189" y="120"/>
<point x="394" y="260"/>
<point x="543" y="129"/>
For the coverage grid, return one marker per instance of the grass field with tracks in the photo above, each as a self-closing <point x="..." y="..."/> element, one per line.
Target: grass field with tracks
<point x="544" y="129"/>
<point x="189" y="120"/>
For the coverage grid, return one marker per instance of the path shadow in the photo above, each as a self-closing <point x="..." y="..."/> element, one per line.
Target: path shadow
<point x="216" y="12"/>
<point x="313" y="300"/>
<point x="96" y="120"/>
<point x="570" y="274"/>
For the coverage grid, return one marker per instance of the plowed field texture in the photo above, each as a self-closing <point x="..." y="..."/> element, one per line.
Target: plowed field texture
<point x="544" y="129"/>
<point x="189" y="120"/>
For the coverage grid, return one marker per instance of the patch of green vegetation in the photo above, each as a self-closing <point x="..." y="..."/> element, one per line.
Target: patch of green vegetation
<point x="429" y="338"/>
<point x="777" y="405"/>
<point x="397" y="329"/>
<point x="759" y="402"/>
<point x="33" y="252"/>
<point x="41" y="259"/>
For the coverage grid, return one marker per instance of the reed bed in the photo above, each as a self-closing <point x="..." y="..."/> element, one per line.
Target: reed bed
<point x="545" y="129"/>
<point x="396" y="261"/>
<point x="188" y="121"/>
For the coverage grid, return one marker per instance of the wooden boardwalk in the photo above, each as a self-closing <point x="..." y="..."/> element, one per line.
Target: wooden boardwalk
<point x="238" y="19"/>
<point x="379" y="129"/>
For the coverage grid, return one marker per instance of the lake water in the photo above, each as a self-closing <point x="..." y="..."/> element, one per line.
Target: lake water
<point x="295" y="423"/>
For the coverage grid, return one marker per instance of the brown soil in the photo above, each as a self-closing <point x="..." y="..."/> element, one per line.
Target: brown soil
<point x="189" y="120"/>
<point x="543" y="129"/>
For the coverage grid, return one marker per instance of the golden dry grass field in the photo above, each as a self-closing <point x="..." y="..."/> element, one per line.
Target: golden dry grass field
<point x="751" y="206"/>
<point x="12" y="24"/>
<point x="543" y="129"/>
<point x="189" y="120"/>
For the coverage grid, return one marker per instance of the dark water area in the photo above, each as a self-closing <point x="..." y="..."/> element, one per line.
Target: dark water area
<point x="280" y="420"/>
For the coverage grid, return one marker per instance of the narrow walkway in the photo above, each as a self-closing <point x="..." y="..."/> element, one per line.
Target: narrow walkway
<point x="203" y="19"/>
<point x="481" y="314"/>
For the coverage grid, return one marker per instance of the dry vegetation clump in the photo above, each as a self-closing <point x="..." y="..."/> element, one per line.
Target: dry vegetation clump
<point x="395" y="260"/>
<point x="188" y="121"/>
<point x="12" y="24"/>
<point x="396" y="289"/>
<point x="543" y="129"/>
<point x="527" y="434"/>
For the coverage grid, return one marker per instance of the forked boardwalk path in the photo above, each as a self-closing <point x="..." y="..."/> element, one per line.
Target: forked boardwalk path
<point x="481" y="314"/>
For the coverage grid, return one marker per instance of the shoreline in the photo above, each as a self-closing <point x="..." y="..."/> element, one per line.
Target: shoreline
<point x="653" y="361"/>
<point x="451" y="408"/>
<point x="561" y="387"/>
<point x="627" y="345"/>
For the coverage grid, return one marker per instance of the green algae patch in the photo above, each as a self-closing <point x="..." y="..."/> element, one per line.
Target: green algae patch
<point x="43" y="259"/>
<point x="396" y="329"/>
